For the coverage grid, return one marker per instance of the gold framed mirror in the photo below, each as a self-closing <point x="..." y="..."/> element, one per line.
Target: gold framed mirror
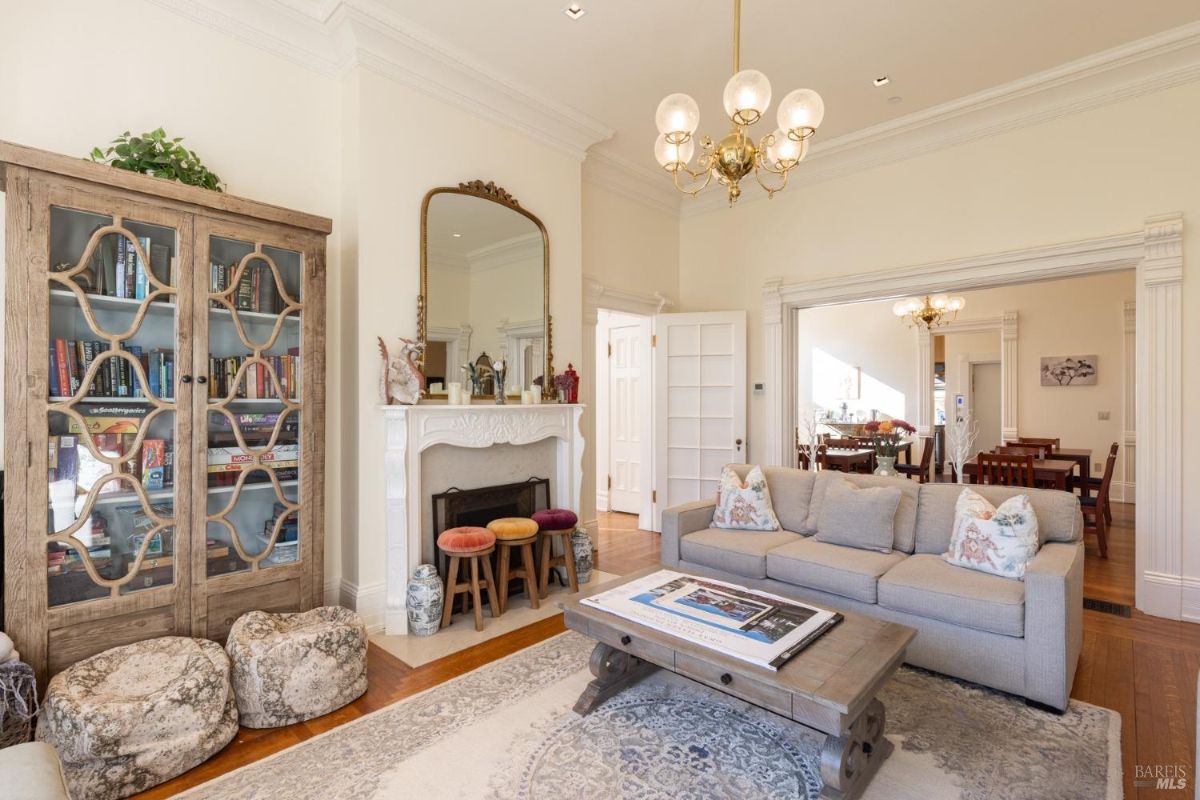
<point x="485" y="291"/>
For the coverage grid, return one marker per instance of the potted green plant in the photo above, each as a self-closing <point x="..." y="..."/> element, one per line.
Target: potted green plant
<point x="154" y="154"/>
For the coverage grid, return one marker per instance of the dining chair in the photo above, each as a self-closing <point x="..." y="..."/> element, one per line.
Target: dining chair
<point x="847" y="443"/>
<point x="1002" y="469"/>
<point x="1053" y="444"/>
<point x="1096" y="483"/>
<point x="921" y="471"/>
<point x="803" y="456"/>
<point x="1094" y="519"/>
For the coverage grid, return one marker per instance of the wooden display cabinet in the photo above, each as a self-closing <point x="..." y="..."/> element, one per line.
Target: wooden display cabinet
<point x="164" y="408"/>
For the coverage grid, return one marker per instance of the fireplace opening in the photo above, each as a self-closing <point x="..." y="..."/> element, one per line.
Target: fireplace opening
<point x="456" y="507"/>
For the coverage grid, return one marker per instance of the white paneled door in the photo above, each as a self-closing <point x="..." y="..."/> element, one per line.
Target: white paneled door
<point x="699" y="403"/>
<point x="629" y="414"/>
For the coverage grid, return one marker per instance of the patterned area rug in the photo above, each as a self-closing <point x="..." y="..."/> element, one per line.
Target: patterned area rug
<point x="506" y="732"/>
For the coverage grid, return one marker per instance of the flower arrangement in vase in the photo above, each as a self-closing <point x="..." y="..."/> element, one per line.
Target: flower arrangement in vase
<point x="885" y="438"/>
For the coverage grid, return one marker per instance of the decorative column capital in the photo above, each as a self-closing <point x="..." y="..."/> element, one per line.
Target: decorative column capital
<point x="772" y="301"/>
<point x="1163" y="263"/>
<point x="1129" y="315"/>
<point x="1008" y="326"/>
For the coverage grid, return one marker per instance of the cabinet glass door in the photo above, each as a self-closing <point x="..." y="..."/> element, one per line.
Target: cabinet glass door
<point x="112" y="417"/>
<point x="253" y="418"/>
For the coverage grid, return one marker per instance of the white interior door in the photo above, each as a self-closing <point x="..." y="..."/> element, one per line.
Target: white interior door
<point x="985" y="403"/>
<point x="629" y="414"/>
<point x="699" y="403"/>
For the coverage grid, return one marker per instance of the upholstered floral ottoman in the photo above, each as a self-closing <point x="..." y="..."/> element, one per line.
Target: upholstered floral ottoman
<point x="292" y="667"/>
<point x="137" y="715"/>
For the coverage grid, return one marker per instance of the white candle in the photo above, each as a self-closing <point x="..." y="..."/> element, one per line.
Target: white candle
<point x="526" y="397"/>
<point x="537" y="395"/>
<point x="455" y="393"/>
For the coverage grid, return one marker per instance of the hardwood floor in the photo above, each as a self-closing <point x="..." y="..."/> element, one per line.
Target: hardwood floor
<point x="1143" y="667"/>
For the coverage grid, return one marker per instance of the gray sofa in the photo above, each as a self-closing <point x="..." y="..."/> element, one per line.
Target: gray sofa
<point x="1019" y="636"/>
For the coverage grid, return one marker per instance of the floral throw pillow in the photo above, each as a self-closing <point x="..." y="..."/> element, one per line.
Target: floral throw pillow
<point x="996" y="540"/>
<point x="744" y="505"/>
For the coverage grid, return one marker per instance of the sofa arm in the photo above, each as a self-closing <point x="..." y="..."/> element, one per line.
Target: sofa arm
<point x="1053" y="622"/>
<point x="32" y="771"/>
<point x="679" y="521"/>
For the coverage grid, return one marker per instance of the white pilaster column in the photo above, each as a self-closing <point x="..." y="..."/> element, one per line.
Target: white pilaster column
<point x="780" y="424"/>
<point x="592" y="292"/>
<point x="1159" y="364"/>
<point x="924" y="383"/>
<point x="1127" y="458"/>
<point x="1009" y="377"/>
<point x="401" y="469"/>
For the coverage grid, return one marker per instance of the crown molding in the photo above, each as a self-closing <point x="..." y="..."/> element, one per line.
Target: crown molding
<point x="1148" y="65"/>
<point x="332" y="37"/>
<point x="529" y="247"/>
<point x="631" y="181"/>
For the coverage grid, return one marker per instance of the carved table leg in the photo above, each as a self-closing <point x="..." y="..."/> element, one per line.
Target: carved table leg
<point x="848" y="762"/>
<point x="615" y="670"/>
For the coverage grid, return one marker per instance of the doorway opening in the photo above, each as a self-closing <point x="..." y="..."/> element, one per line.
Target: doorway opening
<point x="624" y="418"/>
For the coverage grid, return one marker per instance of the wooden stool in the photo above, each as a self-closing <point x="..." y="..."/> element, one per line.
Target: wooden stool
<point x="516" y="532"/>
<point x="557" y="523"/>
<point x="473" y="545"/>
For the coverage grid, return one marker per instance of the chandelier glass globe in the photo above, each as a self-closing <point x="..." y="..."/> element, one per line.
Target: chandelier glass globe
<point x="747" y="96"/>
<point x="677" y="117"/>
<point x="800" y="112"/>
<point x="672" y="156"/>
<point x="784" y="152"/>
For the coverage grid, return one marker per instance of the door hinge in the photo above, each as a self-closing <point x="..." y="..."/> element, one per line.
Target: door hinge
<point x="610" y="349"/>
<point x="653" y="495"/>
<point x="654" y="340"/>
<point x="610" y="481"/>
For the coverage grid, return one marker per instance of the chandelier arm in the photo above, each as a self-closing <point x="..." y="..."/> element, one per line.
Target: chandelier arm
<point x="693" y="190"/>
<point x="771" y="191"/>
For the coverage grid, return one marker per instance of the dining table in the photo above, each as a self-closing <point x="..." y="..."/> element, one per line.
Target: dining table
<point x="1048" y="470"/>
<point x="1081" y="456"/>
<point x="844" y="459"/>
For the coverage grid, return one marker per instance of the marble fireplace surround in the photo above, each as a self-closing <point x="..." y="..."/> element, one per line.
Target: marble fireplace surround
<point x="411" y="430"/>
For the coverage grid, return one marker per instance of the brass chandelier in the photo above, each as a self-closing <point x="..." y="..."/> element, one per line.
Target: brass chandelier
<point x="746" y="98"/>
<point x="930" y="311"/>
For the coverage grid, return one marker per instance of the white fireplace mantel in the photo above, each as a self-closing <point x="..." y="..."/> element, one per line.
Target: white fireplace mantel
<point x="410" y="430"/>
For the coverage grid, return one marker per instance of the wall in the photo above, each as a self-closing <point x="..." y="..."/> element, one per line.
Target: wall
<point x="252" y="117"/>
<point x="389" y="191"/>
<point x="1054" y="182"/>
<point x="628" y="245"/>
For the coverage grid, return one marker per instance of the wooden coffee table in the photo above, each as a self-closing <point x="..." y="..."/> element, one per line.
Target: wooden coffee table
<point x="830" y="686"/>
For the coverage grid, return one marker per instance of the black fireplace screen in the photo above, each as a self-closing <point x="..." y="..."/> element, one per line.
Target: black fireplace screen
<point x="455" y="507"/>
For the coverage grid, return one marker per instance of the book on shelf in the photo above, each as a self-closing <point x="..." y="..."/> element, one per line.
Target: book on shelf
<point x="71" y="359"/>
<point x="756" y="627"/>
<point x="256" y="288"/>
<point x="154" y="463"/>
<point x="117" y="269"/>
<point x="255" y="382"/>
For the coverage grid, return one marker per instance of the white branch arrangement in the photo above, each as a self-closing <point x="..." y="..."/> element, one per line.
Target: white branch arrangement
<point x="961" y="434"/>
<point x="807" y="437"/>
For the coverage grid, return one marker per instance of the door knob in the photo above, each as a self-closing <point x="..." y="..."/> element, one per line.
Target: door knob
<point x="738" y="442"/>
<point x="185" y="378"/>
<point x="202" y="379"/>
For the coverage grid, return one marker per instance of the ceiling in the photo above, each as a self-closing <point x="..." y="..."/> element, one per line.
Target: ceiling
<point x="480" y="224"/>
<point x="623" y="56"/>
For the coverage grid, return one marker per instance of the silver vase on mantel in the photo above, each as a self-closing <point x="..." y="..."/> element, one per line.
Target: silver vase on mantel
<point x="425" y="600"/>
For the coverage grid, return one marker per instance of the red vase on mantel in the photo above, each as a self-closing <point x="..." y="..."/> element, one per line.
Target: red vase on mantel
<point x="573" y="391"/>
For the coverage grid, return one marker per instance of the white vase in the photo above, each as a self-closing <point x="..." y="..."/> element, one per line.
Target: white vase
<point x="886" y="466"/>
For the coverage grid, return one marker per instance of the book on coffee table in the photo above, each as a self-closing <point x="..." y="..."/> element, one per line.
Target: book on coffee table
<point x="757" y="627"/>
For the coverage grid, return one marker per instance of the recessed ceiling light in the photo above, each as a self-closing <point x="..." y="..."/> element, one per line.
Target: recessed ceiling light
<point x="574" y="11"/>
<point x="895" y="100"/>
<point x="456" y="235"/>
<point x="882" y="80"/>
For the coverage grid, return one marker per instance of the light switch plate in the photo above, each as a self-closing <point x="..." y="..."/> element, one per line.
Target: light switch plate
<point x="760" y="388"/>
<point x="1103" y="415"/>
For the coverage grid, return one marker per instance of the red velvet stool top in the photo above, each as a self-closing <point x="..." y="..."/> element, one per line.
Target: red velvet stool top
<point x="555" y="519"/>
<point x="465" y="540"/>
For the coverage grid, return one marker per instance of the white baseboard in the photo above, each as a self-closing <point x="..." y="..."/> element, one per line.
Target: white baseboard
<point x="333" y="592"/>
<point x="1163" y="596"/>
<point x="1123" y="492"/>
<point x="602" y="500"/>
<point x="1190" y="611"/>
<point x="592" y="528"/>
<point x="368" y="601"/>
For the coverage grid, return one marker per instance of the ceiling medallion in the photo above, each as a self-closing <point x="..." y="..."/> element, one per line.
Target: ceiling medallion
<point x="930" y="311"/>
<point x="747" y="96"/>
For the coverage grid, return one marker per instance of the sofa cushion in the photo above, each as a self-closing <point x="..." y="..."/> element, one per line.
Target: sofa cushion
<point x="843" y="571"/>
<point x="861" y="517"/>
<point x="927" y="586"/>
<point x="740" y="552"/>
<point x="744" y="502"/>
<point x="1058" y="515"/>
<point x="791" y="492"/>
<point x="904" y="533"/>
<point x="1000" y="541"/>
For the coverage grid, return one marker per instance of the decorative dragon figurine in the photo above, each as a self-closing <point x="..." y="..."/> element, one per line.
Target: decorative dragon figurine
<point x="401" y="381"/>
